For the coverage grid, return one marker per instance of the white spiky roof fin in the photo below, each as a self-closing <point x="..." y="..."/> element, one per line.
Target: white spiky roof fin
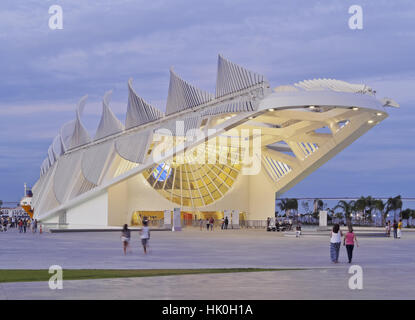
<point x="183" y="96"/>
<point x="67" y="129"/>
<point x="232" y="78"/>
<point x="80" y="135"/>
<point x="66" y="133"/>
<point x="51" y="155"/>
<point x="138" y="110"/>
<point x="109" y="123"/>
<point x="45" y="166"/>
<point x="57" y="146"/>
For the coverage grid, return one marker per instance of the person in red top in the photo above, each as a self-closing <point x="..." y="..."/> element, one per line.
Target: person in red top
<point x="211" y="221"/>
<point x="349" y="241"/>
<point x="20" y="226"/>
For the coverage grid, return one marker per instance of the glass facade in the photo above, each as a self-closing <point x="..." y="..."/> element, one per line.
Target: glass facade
<point x="191" y="183"/>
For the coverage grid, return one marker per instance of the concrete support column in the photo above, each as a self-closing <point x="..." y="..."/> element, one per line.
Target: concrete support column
<point x="118" y="213"/>
<point x="261" y="197"/>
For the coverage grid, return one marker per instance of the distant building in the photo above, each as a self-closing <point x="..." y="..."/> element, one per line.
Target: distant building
<point x="13" y="212"/>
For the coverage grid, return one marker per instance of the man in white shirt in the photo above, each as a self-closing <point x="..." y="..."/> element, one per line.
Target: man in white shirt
<point x="145" y="235"/>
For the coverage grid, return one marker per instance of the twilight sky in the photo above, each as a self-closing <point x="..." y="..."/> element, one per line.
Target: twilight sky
<point x="44" y="72"/>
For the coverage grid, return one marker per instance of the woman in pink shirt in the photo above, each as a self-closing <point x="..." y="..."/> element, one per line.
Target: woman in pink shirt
<point x="349" y="241"/>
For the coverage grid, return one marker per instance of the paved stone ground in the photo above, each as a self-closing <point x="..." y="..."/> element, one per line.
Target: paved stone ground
<point x="388" y="266"/>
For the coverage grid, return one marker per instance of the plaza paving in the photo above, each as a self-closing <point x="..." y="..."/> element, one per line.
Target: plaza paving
<point x="388" y="266"/>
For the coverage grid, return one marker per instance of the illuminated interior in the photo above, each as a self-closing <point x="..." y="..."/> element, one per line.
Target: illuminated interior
<point x="193" y="183"/>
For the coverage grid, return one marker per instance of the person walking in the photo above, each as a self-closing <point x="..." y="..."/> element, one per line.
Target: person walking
<point x="24" y="225"/>
<point x="399" y="232"/>
<point x="35" y="226"/>
<point x="277" y="225"/>
<point x="388" y="229"/>
<point x="349" y="240"/>
<point x="298" y="230"/>
<point x="4" y="224"/>
<point x="145" y="235"/>
<point x="226" y="223"/>
<point x="335" y="242"/>
<point x="20" y="226"/>
<point x="207" y="224"/>
<point x="395" y="229"/>
<point x="200" y="224"/>
<point x="211" y="221"/>
<point x="125" y="237"/>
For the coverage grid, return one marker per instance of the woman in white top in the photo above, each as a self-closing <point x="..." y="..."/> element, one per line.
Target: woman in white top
<point x="125" y="237"/>
<point x="145" y="235"/>
<point x="335" y="242"/>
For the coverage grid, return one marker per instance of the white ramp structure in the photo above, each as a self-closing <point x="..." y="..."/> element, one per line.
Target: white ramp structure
<point x="231" y="150"/>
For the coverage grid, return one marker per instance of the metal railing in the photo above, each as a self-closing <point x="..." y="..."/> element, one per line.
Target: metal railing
<point x="247" y="224"/>
<point x="253" y="224"/>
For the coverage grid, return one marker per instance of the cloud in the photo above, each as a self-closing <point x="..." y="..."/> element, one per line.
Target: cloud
<point x="45" y="72"/>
